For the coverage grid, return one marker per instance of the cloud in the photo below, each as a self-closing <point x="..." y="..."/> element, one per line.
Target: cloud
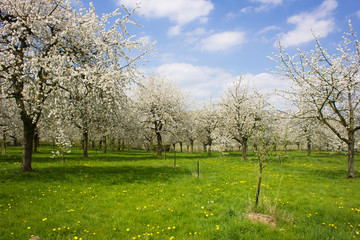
<point x="266" y="82"/>
<point x="201" y="81"/>
<point x="222" y="41"/>
<point x="259" y="6"/>
<point x="358" y="14"/>
<point x="180" y="12"/>
<point x="269" y="29"/>
<point x="318" y="21"/>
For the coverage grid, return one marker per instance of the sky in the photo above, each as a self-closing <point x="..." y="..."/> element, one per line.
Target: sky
<point x="203" y="45"/>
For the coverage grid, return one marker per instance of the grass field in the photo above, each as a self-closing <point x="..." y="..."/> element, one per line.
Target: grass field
<point x="136" y="195"/>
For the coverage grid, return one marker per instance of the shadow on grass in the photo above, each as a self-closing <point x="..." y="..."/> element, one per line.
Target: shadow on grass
<point x="105" y="175"/>
<point x="329" y="173"/>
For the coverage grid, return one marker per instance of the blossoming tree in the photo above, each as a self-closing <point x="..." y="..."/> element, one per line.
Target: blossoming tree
<point x="47" y="44"/>
<point x="241" y="111"/>
<point x="160" y="105"/>
<point x="330" y="84"/>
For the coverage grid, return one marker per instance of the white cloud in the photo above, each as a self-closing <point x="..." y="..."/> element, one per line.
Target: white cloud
<point x="200" y="81"/>
<point x="358" y="14"/>
<point x="203" y="82"/>
<point x="181" y="12"/>
<point x="319" y="21"/>
<point x="266" y="81"/>
<point x="274" y="2"/>
<point x="269" y="29"/>
<point x="222" y="41"/>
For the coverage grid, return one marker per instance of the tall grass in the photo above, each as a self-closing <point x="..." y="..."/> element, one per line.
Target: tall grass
<point x="136" y="195"/>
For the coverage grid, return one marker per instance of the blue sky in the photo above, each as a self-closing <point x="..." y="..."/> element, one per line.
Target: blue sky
<point x="204" y="44"/>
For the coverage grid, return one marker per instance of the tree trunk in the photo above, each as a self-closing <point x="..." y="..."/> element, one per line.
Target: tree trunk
<point x="85" y="143"/>
<point x="244" y="148"/>
<point x="36" y="141"/>
<point x="308" y="140"/>
<point x="122" y="145"/>
<point x="159" y="143"/>
<point x="181" y="146"/>
<point x="204" y="147"/>
<point x="29" y="131"/>
<point x="4" y="143"/>
<point x="104" y="150"/>
<point x="174" y="145"/>
<point x="209" y="148"/>
<point x="192" y="146"/>
<point x="351" y="154"/>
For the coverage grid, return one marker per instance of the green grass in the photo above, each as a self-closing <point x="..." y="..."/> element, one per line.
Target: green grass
<point x="135" y="195"/>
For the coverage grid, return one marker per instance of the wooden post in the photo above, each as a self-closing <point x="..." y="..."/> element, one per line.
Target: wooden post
<point x="198" y="168"/>
<point x="174" y="155"/>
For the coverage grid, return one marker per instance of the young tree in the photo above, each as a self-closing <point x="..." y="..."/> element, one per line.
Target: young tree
<point x="43" y="42"/>
<point x="330" y="84"/>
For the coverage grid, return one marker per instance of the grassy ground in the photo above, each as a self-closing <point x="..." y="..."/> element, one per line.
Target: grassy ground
<point x="135" y="195"/>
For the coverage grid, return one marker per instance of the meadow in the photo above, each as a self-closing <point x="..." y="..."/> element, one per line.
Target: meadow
<point x="137" y="195"/>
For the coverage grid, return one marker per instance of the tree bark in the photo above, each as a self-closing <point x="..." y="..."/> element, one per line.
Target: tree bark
<point x="104" y="150"/>
<point x="204" y="147"/>
<point x="85" y="143"/>
<point x="308" y="140"/>
<point x="4" y="143"/>
<point x="29" y="131"/>
<point x="192" y="146"/>
<point x="209" y="148"/>
<point x="174" y="145"/>
<point x="159" y="143"/>
<point x="351" y="154"/>
<point x="244" y="148"/>
<point x="36" y="141"/>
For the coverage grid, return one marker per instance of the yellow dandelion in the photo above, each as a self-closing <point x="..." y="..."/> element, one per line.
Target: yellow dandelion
<point x="44" y="219"/>
<point x="75" y="237"/>
<point x="54" y="229"/>
<point x="128" y="229"/>
<point x="28" y="227"/>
